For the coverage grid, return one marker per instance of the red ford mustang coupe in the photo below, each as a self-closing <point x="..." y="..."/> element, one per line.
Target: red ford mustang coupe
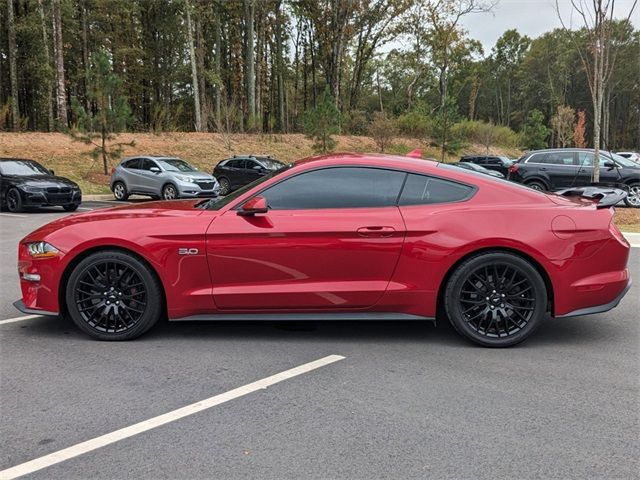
<point x="343" y="236"/>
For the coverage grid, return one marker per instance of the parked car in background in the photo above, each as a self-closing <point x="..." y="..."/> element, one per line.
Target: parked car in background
<point x="492" y="162"/>
<point x="161" y="177"/>
<point x="573" y="167"/>
<point x="241" y="170"/>
<point x="478" y="168"/>
<point x="633" y="156"/>
<point x="26" y="183"/>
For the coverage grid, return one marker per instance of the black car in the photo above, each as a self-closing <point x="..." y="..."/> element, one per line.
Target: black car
<point x="573" y="167"/>
<point x="26" y="183"/>
<point x="241" y="170"/>
<point x="477" y="168"/>
<point x="491" y="162"/>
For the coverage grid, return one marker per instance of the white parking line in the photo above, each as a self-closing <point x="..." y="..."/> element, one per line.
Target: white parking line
<point x="632" y="238"/>
<point x="146" y="425"/>
<point x="19" y="319"/>
<point x="12" y="215"/>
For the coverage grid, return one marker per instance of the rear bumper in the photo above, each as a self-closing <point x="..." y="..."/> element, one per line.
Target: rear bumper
<point x="599" y="308"/>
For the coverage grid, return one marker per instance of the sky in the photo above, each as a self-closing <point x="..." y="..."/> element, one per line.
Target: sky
<point x="531" y="18"/>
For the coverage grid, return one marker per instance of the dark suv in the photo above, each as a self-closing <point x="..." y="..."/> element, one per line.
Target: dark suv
<point x="241" y="170"/>
<point x="492" y="162"/>
<point x="573" y="167"/>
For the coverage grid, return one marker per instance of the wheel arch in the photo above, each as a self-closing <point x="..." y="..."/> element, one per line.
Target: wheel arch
<point x="538" y="179"/>
<point x="64" y="278"/>
<point x="539" y="268"/>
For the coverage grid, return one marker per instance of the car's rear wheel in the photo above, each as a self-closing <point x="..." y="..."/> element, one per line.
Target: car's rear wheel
<point x="633" y="196"/>
<point x="113" y="295"/>
<point x="120" y="191"/>
<point x="496" y="299"/>
<point x="541" y="187"/>
<point x="225" y="186"/>
<point x="169" y="192"/>
<point x="14" y="201"/>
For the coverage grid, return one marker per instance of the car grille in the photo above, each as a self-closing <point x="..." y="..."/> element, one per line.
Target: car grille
<point x="206" y="185"/>
<point x="65" y="190"/>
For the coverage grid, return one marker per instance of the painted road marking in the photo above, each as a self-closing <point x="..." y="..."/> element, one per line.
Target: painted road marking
<point x="146" y="425"/>
<point x="12" y="215"/>
<point x="19" y="319"/>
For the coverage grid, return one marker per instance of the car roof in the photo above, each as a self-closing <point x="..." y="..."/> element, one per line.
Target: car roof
<point x="151" y="157"/>
<point x="10" y="159"/>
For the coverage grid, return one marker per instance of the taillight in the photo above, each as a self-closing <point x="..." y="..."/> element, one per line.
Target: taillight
<point x="617" y="234"/>
<point x="513" y="168"/>
<point x="113" y="170"/>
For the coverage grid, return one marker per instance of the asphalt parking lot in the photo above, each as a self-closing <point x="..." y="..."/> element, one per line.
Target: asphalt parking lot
<point x="387" y="399"/>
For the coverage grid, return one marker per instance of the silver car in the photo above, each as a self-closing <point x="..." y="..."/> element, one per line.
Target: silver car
<point x="161" y="177"/>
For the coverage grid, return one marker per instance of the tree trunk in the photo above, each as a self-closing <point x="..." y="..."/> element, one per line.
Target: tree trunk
<point x="13" y="69"/>
<point x="279" y="69"/>
<point x="194" y="70"/>
<point x="45" y="46"/>
<point x="200" y="53"/>
<point x="249" y="9"/>
<point x="61" y="94"/>
<point x="258" y="69"/>
<point x="85" y="53"/>
<point x="216" y="66"/>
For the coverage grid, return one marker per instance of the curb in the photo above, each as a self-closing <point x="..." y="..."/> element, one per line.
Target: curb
<point x="90" y="198"/>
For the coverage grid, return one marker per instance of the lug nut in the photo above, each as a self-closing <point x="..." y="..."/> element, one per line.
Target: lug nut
<point x="502" y="295"/>
<point x="502" y="305"/>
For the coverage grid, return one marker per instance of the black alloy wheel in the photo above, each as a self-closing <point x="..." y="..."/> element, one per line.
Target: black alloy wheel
<point x="14" y="201"/>
<point x="112" y="295"/>
<point x="496" y="299"/>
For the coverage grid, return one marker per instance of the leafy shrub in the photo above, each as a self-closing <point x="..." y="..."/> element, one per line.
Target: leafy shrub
<point x="383" y="130"/>
<point x="487" y="134"/>
<point x="415" y="124"/>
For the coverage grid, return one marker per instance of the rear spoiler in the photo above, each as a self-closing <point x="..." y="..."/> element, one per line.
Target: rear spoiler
<point x="605" y="196"/>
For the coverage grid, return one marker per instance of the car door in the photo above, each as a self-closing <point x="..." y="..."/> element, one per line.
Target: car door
<point x="607" y="174"/>
<point x="150" y="182"/>
<point x="131" y="174"/>
<point x="330" y="240"/>
<point x="234" y="173"/>
<point x="561" y="169"/>
<point x="253" y="170"/>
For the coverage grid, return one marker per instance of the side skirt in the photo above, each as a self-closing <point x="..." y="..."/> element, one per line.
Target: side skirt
<point x="304" y="316"/>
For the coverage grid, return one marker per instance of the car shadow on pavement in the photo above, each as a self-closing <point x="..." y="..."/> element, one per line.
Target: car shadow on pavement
<point x="579" y="330"/>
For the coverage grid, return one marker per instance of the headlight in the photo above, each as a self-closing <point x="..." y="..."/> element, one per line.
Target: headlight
<point x="185" y="179"/>
<point x="31" y="189"/>
<point x="42" y="250"/>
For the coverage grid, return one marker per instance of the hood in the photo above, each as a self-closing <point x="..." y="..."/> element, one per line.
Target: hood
<point x="136" y="211"/>
<point x="42" y="181"/>
<point x="195" y="175"/>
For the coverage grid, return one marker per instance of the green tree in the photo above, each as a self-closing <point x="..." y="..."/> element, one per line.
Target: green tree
<point x="383" y="130"/>
<point x="535" y="132"/>
<point x="109" y="114"/>
<point x="322" y="122"/>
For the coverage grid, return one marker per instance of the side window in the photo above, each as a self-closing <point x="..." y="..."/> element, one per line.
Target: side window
<point x="494" y="161"/>
<point x="585" y="159"/>
<point x="560" y="158"/>
<point x="420" y="190"/>
<point x="147" y="164"/>
<point x="250" y="164"/>
<point x="339" y="187"/>
<point x="133" y="163"/>
<point x="537" y="158"/>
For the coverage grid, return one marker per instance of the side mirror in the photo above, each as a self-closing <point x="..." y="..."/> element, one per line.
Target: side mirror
<point x="609" y="165"/>
<point x="154" y="169"/>
<point x="255" y="205"/>
<point x="52" y="172"/>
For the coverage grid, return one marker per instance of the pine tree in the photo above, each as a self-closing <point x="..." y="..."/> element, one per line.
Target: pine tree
<point x="535" y="131"/>
<point x="322" y="122"/>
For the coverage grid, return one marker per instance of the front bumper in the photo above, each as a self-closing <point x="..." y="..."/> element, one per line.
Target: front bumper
<point x="19" y="304"/>
<point x="195" y="190"/>
<point x="46" y="198"/>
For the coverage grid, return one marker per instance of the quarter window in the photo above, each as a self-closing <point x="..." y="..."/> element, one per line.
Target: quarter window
<point x="339" y="187"/>
<point x="420" y="190"/>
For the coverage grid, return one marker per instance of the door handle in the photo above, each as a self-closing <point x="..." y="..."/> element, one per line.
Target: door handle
<point x="376" y="231"/>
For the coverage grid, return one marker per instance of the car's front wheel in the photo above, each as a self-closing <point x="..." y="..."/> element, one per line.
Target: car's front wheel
<point x="633" y="196"/>
<point x="72" y="207"/>
<point x="496" y="299"/>
<point x="14" y="201"/>
<point x="113" y="295"/>
<point x="225" y="186"/>
<point x="169" y="192"/>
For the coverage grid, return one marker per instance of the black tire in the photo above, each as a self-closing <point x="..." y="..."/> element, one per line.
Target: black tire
<point x="170" y="192"/>
<point x="13" y="201"/>
<point x="496" y="299"/>
<point x="71" y="208"/>
<point x="632" y="199"/>
<point x="120" y="191"/>
<point x="225" y="186"/>
<point x="112" y="295"/>
<point x="539" y="186"/>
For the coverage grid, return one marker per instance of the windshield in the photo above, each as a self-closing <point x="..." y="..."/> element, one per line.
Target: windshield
<point x="625" y="162"/>
<point x="272" y="164"/>
<point x="177" y="165"/>
<point x="23" y="168"/>
<point x="218" y="202"/>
